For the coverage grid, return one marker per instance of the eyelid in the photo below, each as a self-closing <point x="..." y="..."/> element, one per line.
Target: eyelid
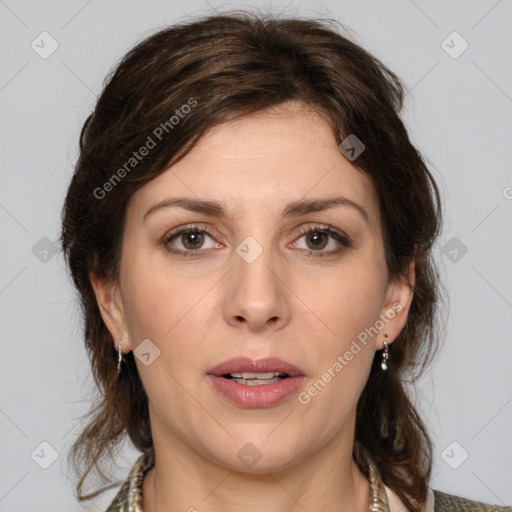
<point x="189" y="227"/>
<point x="323" y="227"/>
<point x="341" y="237"/>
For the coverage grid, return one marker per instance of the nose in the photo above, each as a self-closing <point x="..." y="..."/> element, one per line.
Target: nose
<point x="257" y="296"/>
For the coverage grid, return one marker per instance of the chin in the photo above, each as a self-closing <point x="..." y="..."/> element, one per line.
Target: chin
<point x="259" y="454"/>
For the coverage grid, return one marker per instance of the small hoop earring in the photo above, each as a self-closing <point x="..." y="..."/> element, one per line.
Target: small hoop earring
<point x="385" y="354"/>
<point x="119" y="358"/>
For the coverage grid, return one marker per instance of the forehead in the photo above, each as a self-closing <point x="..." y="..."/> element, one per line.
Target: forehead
<point x="258" y="163"/>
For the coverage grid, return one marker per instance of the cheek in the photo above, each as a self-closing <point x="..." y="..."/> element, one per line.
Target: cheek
<point x="348" y="307"/>
<point x="160" y="308"/>
<point x="156" y="300"/>
<point x="343" y="303"/>
<point x="341" y="310"/>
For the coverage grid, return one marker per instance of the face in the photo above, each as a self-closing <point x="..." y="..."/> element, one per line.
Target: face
<point x="274" y="250"/>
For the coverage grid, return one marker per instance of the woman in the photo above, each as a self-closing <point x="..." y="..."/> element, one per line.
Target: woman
<point x="250" y="230"/>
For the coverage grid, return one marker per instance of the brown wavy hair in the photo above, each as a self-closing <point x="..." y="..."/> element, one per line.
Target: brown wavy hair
<point x="227" y="66"/>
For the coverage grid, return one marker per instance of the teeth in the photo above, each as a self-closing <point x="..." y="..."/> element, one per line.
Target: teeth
<point x="256" y="379"/>
<point x="256" y="382"/>
<point x="251" y="375"/>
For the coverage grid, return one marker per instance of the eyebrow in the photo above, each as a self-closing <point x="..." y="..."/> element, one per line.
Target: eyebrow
<point x="294" y="209"/>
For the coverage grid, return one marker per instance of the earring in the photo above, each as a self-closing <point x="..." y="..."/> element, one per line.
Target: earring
<point x="119" y="358"/>
<point x="385" y="354"/>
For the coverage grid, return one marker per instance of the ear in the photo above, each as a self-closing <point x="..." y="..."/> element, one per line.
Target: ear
<point x="397" y="304"/>
<point x="110" y="303"/>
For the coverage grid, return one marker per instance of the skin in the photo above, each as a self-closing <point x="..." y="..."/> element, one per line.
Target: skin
<point x="305" y="308"/>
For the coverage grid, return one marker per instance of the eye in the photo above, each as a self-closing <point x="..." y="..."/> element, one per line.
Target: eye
<point x="189" y="240"/>
<point x="318" y="238"/>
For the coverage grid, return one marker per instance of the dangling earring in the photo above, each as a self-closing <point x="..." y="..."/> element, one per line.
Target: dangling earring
<point x="119" y="358"/>
<point x="385" y="354"/>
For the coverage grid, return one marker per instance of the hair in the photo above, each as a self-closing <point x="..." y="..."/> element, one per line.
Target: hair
<point x="165" y="93"/>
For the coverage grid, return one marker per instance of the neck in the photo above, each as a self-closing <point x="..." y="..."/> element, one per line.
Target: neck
<point x="183" y="480"/>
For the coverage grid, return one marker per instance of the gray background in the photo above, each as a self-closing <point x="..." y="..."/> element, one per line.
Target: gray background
<point x="459" y="114"/>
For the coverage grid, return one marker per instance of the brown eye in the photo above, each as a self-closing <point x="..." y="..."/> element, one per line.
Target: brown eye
<point x="192" y="239"/>
<point x="321" y="241"/>
<point x="317" y="240"/>
<point x="189" y="241"/>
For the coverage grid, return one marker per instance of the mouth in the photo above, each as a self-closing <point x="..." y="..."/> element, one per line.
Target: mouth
<point x="256" y="383"/>
<point x="261" y="370"/>
<point x="256" y="379"/>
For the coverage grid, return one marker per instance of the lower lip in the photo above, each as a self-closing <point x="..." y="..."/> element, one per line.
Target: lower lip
<point x="265" y="395"/>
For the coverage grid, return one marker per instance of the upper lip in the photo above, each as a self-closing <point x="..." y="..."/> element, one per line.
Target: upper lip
<point x="263" y="365"/>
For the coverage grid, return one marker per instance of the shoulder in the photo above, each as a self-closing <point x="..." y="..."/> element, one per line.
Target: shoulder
<point x="451" y="503"/>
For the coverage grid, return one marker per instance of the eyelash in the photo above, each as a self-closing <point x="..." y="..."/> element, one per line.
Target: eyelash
<point x="342" y="239"/>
